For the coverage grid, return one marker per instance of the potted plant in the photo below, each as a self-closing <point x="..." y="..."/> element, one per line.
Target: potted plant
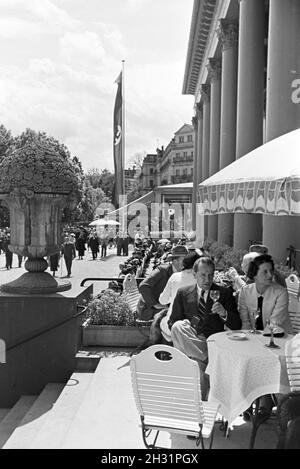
<point x="110" y="322"/>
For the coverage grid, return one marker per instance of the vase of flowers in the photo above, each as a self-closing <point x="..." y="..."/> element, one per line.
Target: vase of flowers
<point x="37" y="180"/>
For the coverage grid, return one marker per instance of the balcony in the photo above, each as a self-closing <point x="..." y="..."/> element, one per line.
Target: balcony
<point x="181" y="178"/>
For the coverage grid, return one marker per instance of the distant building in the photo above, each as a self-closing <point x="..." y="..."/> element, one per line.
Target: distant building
<point x="172" y="165"/>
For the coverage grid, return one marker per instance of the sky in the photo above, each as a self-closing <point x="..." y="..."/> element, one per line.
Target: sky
<point x="59" y="60"/>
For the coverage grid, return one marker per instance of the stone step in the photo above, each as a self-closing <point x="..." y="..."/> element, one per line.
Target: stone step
<point x="86" y="361"/>
<point x="14" y="416"/>
<point x="30" y="425"/>
<point x="57" y="423"/>
<point x="107" y="417"/>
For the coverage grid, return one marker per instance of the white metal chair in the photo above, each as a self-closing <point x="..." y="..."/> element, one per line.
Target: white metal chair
<point x="293" y="287"/>
<point x="292" y="356"/>
<point x="166" y="387"/>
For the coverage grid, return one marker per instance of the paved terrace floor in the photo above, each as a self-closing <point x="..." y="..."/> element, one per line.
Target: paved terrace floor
<point x="108" y="419"/>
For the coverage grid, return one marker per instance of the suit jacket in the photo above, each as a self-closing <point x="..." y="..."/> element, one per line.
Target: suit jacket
<point x="185" y="306"/>
<point x="275" y="302"/>
<point x="150" y="290"/>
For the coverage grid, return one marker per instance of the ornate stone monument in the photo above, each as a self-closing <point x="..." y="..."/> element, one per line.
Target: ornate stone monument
<point x="36" y="183"/>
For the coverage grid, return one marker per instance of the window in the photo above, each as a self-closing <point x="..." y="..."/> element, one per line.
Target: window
<point x="181" y="139"/>
<point x="190" y="138"/>
<point x="151" y="182"/>
<point x="151" y="170"/>
<point x="177" y="172"/>
<point x="178" y="155"/>
<point x="185" y="171"/>
<point x="192" y="154"/>
<point x="185" y="154"/>
<point x="191" y="171"/>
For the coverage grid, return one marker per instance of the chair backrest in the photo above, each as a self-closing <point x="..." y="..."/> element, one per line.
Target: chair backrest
<point x="131" y="291"/>
<point x="293" y="287"/>
<point x="166" y="383"/>
<point x="292" y="356"/>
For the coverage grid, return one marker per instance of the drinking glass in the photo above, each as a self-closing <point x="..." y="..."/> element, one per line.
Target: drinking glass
<point x="271" y="325"/>
<point x="253" y="316"/>
<point x="215" y="295"/>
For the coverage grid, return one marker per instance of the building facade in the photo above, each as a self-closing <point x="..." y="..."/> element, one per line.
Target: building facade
<point x="171" y="165"/>
<point x="242" y="63"/>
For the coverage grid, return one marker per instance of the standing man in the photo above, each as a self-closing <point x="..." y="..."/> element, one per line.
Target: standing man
<point x="93" y="243"/>
<point x="195" y="316"/>
<point x="68" y="251"/>
<point x="153" y="285"/>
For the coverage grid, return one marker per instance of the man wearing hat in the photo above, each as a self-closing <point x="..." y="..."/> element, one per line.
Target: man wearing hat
<point x="153" y="285"/>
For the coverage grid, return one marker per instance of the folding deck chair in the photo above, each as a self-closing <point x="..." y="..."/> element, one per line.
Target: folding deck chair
<point x="166" y="387"/>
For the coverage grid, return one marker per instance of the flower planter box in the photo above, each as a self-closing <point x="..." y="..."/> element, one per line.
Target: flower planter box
<point x="114" y="336"/>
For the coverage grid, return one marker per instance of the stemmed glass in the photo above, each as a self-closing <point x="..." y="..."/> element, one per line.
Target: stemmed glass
<point x="254" y="315"/>
<point x="215" y="295"/>
<point x="271" y="325"/>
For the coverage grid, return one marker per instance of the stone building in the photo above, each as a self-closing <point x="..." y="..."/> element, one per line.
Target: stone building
<point x="170" y="165"/>
<point x="242" y="64"/>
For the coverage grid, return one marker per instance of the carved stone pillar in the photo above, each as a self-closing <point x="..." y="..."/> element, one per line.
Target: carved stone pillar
<point x="195" y="168"/>
<point x="250" y="104"/>
<point x="283" y="107"/>
<point x="228" y="35"/>
<point x="205" y="92"/>
<point x="214" y="74"/>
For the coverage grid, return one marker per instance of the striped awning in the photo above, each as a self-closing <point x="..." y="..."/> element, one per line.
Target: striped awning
<point x="265" y="181"/>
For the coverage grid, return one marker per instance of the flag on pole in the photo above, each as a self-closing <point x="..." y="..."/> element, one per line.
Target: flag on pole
<point x="118" y="143"/>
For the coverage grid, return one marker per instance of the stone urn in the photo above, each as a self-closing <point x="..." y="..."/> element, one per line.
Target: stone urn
<point x="37" y="183"/>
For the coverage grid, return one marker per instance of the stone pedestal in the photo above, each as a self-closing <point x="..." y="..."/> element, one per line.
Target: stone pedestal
<point x="50" y="356"/>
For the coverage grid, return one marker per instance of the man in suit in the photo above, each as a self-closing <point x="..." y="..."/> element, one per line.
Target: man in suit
<point x="195" y="316"/>
<point x="153" y="285"/>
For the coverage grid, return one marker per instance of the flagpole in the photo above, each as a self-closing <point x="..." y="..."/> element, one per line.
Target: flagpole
<point x="123" y="145"/>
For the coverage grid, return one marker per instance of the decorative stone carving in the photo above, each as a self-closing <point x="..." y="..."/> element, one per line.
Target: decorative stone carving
<point x="214" y="69"/>
<point x="228" y="32"/>
<point x="36" y="183"/>
<point x="195" y="122"/>
<point x="199" y="111"/>
<point x="205" y="92"/>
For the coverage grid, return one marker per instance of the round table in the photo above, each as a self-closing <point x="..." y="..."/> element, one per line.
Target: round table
<point x="242" y="370"/>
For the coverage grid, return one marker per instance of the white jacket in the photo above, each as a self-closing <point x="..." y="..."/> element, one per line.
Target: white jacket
<point x="275" y="303"/>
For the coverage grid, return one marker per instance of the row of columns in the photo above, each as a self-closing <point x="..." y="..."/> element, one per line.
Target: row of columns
<point x="230" y="119"/>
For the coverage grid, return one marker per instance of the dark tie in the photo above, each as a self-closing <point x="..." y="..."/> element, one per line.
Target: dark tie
<point x="202" y="305"/>
<point x="259" y="323"/>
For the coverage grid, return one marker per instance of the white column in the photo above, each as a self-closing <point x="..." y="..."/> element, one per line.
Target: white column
<point x="214" y="73"/>
<point x="250" y="103"/>
<point x="283" y="110"/>
<point x="228" y="35"/>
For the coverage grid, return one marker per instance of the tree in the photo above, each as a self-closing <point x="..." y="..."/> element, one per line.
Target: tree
<point x="6" y="141"/>
<point x="93" y="175"/>
<point x="137" y="159"/>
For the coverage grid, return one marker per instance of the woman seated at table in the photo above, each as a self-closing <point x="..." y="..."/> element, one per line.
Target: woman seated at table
<point x="261" y="301"/>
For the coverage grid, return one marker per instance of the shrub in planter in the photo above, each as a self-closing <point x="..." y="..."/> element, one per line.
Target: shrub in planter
<point x="109" y="308"/>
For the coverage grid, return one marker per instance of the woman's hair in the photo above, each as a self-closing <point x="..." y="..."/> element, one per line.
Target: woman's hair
<point x="255" y="263"/>
<point x="189" y="260"/>
<point x="203" y="260"/>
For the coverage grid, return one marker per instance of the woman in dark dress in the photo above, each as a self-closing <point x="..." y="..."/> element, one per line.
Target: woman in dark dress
<point x="80" y="245"/>
<point x="54" y="263"/>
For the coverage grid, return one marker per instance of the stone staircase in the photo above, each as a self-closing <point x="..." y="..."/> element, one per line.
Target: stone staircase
<point x="87" y="412"/>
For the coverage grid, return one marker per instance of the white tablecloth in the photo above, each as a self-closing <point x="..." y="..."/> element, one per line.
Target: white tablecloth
<point x="241" y="371"/>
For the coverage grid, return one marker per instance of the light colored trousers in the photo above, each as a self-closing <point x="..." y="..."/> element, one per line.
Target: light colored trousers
<point x="186" y="340"/>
